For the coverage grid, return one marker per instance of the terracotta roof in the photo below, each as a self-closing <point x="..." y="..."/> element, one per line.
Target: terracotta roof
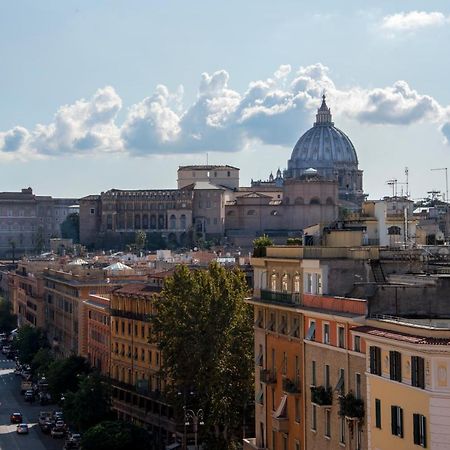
<point x="138" y="289"/>
<point x="403" y="337"/>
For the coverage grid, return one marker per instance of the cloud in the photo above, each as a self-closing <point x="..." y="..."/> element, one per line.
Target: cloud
<point x="445" y="130"/>
<point x="271" y="111"/>
<point x="412" y="21"/>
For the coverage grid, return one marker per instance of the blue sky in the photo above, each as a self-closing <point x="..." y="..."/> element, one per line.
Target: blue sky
<point x="96" y="95"/>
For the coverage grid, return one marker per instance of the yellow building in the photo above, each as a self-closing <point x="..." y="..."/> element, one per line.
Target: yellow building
<point x="408" y="383"/>
<point x="136" y="361"/>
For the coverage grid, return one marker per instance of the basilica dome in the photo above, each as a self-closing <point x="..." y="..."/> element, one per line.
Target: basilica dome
<point x="330" y="152"/>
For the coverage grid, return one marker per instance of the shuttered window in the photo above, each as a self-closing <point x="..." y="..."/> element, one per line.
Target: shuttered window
<point x="420" y="430"/>
<point x="395" y="365"/>
<point x="418" y="372"/>
<point x="375" y="360"/>
<point x="378" y="413"/>
<point x="397" y="421"/>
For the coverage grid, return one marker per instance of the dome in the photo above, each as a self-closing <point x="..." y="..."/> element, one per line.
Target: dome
<point x="323" y="147"/>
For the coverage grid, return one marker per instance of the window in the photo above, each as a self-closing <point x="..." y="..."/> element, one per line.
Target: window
<point x="260" y="357"/>
<point x="341" y="337"/>
<point x="297" y="445"/>
<point x="260" y="396"/>
<point x="318" y="284"/>
<point x="311" y="335"/>
<point x="284" y="283"/>
<point x="378" y="413"/>
<point x="375" y="360"/>
<point x="283" y="325"/>
<point x="284" y="365"/>
<point x="326" y="333"/>
<point x="420" y="430"/>
<point x="271" y="324"/>
<point x="397" y="421"/>
<point x="327" y="423"/>
<point x="326" y="376"/>
<point x="308" y="283"/>
<point x="341" y="430"/>
<point x="297" y="409"/>
<point x="259" y="320"/>
<point x="92" y="210"/>
<point x="297" y="284"/>
<point x="340" y="386"/>
<point x="273" y="282"/>
<point x="357" y="343"/>
<point x="314" y="417"/>
<point x="357" y="385"/>
<point x="295" y="329"/>
<point x="395" y="366"/>
<point x="313" y="373"/>
<point x="417" y="372"/>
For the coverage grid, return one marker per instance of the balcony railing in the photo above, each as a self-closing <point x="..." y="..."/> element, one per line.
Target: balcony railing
<point x="291" y="386"/>
<point x="280" y="297"/>
<point x="131" y="315"/>
<point x="351" y="407"/>
<point x="321" y="396"/>
<point x="268" y="376"/>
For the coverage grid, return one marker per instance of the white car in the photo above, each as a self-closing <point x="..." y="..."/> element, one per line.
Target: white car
<point x="22" y="428"/>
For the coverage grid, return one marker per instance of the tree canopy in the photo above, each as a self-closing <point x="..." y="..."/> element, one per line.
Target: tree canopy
<point x="89" y="404"/>
<point x="63" y="375"/>
<point x="8" y="320"/>
<point x="28" y="341"/>
<point x="115" y="435"/>
<point x="70" y="228"/>
<point x="205" y="334"/>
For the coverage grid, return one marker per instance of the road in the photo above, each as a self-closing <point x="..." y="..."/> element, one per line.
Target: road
<point x="12" y="401"/>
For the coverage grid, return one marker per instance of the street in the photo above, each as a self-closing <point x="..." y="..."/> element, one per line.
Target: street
<point x="12" y="401"/>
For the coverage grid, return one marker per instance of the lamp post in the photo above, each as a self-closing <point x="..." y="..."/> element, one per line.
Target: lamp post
<point x="196" y="418"/>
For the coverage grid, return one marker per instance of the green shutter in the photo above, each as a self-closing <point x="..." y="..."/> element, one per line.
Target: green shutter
<point x="421" y="372"/>
<point x="424" y="431"/>
<point x="377" y="413"/>
<point x="391" y="365"/>
<point x="401" y="422"/>
<point x="394" y="420"/>
<point x="416" y="428"/>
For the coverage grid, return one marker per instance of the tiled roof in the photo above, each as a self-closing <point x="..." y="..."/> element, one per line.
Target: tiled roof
<point x="403" y="337"/>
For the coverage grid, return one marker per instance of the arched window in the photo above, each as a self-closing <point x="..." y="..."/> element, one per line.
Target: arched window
<point x="273" y="282"/>
<point x="137" y="221"/>
<point x="145" y="221"/>
<point x="183" y="221"/>
<point x="284" y="282"/>
<point x="394" y="230"/>
<point x="297" y="283"/>
<point x="314" y="201"/>
<point x="251" y="212"/>
<point x="299" y="201"/>
<point x="172" y="222"/>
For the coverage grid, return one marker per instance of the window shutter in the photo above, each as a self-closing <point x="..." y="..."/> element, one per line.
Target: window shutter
<point x="424" y="431"/>
<point x="394" y="420"/>
<point x="391" y="365"/>
<point x="416" y="428"/>
<point x="421" y="370"/>
<point x="378" y="359"/>
<point x="398" y="363"/>
<point x="377" y="413"/>
<point x="401" y="422"/>
<point x="372" y="359"/>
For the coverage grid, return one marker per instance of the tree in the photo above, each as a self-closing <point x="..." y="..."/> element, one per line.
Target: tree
<point x="260" y="244"/>
<point x="140" y="239"/>
<point x="70" y="228"/>
<point x="89" y="404"/>
<point x="205" y="333"/>
<point x="39" y="240"/>
<point x="41" y="361"/>
<point x="8" y="321"/>
<point x="115" y="435"/>
<point x="28" y="341"/>
<point x="64" y="374"/>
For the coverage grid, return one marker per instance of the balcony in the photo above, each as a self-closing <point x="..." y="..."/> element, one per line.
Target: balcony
<point x="291" y="387"/>
<point x="321" y="396"/>
<point x="351" y="408"/>
<point x="268" y="376"/>
<point x="280" y="297"/>
<point x="280" y="424"/>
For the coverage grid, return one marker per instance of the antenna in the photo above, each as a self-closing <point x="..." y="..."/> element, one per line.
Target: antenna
<point x="446" y="181"/>
<point x="407" y="181"/>
<point x="393" y="183"/>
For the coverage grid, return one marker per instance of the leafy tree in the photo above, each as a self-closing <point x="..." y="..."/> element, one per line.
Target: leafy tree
<point x="70" y="228"/>
<point x="42" y="361"/>
<point x="115" y="435"/>
<point x="28" y="341"/>
<point x="89" y="404"/>
<point x="140" y="239"/>
<point x="39" y="240"/>
<point x="205" y="333"/>
<point x="8" y="320"/>
<point x="63" y="375"/>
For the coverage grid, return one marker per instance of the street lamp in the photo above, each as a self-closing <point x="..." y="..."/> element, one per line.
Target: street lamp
<point x="197" y="419"/>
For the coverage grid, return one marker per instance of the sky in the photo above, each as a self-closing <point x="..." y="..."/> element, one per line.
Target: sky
<point x="119" y="94"/>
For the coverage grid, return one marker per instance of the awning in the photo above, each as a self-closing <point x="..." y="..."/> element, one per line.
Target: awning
<point x="281" y="410"/>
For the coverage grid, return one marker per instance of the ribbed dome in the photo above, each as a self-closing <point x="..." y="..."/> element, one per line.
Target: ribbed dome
<point x="323" y="147"/>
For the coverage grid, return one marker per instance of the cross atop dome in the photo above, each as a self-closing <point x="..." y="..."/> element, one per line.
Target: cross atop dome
<point x="323" y="116"/>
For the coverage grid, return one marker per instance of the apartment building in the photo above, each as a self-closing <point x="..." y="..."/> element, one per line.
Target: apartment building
<point x="408" y="383"/>
<point x="136" y="361"/>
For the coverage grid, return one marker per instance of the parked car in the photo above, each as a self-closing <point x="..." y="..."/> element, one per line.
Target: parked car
<point x="22" y="428"/>
<point x="29" y="395"/>
<point x="16" y="417"/>
<point x="58" y="432"/>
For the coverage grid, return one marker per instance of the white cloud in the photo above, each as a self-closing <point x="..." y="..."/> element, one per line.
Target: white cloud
<point x="412" y="21"/>
<point x="273" y="111"/>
